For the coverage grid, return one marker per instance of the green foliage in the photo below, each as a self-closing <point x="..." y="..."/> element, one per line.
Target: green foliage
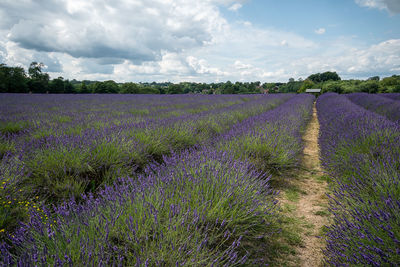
<point x="107" y="87"/>
<point x="13" y="79"/>
<point x="13" y="200"/>
<point x="57" y="174"/>
<point x="6" y="147"/>
<point x="174" y="89"/>
<point x="374" y="78"/>
<point x="324" y="77"/>
<point x="130" y="88"/>
<point x="391" y="84"/>
<point x="291" y="87"/>
<point x="370" y="86"/>
<point x="267" y="154"/>
<point x="39" y="81"/>
<point x="83" y="89"/>
<point x="57" y="85"/>
<point x="12" y="127"/>
<point x="332" y="86"/>
<point x="307" y="84"/>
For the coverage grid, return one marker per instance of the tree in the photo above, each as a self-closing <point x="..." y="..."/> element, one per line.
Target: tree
<point x="227" y="88"/>
<point x="56" y="86"/>
<point x="329" y="76"/>
<point x="324" y="77"/>
<point x="83" y="89"/>
<point x="39" y="82"/>
<point x="316" y="78"/>
<point x="69" y="88"/>
<point x="174" y="89"/>
<point x="370" y="86"/>
<point x="307" y="84"/>
<point x="374" y="78"/>
<point x="332" y="87"/>
<point x="391" y="81"/>
<point x="107" y="87"/>
<point x="13" y="79"/>
<point x="129" y="88"/>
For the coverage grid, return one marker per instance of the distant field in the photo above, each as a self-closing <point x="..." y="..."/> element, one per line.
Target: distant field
<point x="178" y="180"/>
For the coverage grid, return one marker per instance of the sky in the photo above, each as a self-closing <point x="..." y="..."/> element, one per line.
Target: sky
<point x="202" y="40"/>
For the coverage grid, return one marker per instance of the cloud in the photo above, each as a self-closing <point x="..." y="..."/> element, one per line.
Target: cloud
<point x="174" y="40"/>
<point x="135" y="30"/>
<point x="320" y="31"/>
<point x="393" y="6"/>
<point x="241" y="66"/>
<point x="235" y="7"/>
<point x="379" y="59"/>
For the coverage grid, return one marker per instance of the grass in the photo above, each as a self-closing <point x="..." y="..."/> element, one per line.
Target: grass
<point x="139" y="112"/>
<point x="282" y="250"/>
<point x="323" y="213"/>
<point x="11" y="127"/>
<point x="292" y="194"/>
<point x="58" y="174"/>
<point x="6" y="147"/>
<point x="267" y="154"/>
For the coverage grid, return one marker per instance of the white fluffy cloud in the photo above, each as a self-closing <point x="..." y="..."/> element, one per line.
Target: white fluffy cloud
<point x="172" y="40"/>
<point x="134" y="30"/>
<point x="393" y="6"/>
<point x="235" y="7"/>
<point x="320" y="31"/>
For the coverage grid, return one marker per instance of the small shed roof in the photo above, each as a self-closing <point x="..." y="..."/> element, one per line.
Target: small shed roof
<point x="313" y="91"/>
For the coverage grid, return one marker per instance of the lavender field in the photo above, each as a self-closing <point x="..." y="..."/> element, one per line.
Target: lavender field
<point x="360" y="149"/>
<point x="192" y="180"/>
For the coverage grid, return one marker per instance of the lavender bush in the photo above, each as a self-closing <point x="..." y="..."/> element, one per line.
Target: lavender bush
<point x="361" y="150"/>
<point x="394" y="96"/>
<point x="272" y="140"/>
<point x="379" y="104"/>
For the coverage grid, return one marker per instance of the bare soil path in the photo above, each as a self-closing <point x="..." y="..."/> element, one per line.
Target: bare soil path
<point x="312" y="205"/>
<point x="305" y="204"/>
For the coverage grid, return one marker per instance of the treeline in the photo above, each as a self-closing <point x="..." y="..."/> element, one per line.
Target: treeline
<point x="331" y="82"/>
<point x="17" y="80"/>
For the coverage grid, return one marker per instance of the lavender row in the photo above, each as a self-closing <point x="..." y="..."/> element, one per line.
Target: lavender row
<point x="49" y="115"/>
<point x="379" y="104"/>
<point x="272" y="140"/>
<point x="361" y="151"/>
<point x="394" y="96"/>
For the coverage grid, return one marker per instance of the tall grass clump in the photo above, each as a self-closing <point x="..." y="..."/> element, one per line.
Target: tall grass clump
<point x="12" y="127"/>
<point x="361" y="150"/>
<point x="200" y="208"/>
<point x="68" y="170"/>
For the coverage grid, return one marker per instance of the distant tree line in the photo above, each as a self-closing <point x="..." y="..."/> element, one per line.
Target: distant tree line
<point x="17" y="80"/>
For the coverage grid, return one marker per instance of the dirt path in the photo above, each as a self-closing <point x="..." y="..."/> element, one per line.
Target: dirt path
<point x="304" y="206"/>
<point x="312" y="205"/>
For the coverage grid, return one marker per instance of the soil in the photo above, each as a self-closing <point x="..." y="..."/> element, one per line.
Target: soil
<point x="309" y="207"/>
<point x="314" y="199"/>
